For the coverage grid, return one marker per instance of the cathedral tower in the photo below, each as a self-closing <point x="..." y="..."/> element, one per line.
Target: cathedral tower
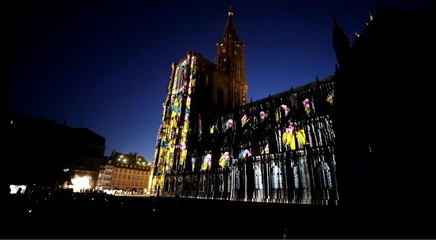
<point x="198" y="92"/>
<point x="230" y="60"/>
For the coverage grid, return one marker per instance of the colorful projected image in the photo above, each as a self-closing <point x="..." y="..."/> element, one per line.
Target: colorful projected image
<point x="207" y="162"/>
<point x="250" y="145"/>
<point x="244" y="154"/>
<point x="229" y="124"/>
<point x="262" y="115"/>
<point x="193" y="163"/>
<point x="265" y="149"/>
<point x="293" y="138"/>
<point x="228" y="131"/>
<point x="172" y="151"/>
<point x="330" y="97"/>
<point x="244" y="120"/>
<point x="225" y="160"/>
<point x="306" y="104"/>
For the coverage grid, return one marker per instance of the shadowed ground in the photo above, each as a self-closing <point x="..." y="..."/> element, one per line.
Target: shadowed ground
<point x="104" y="216"/>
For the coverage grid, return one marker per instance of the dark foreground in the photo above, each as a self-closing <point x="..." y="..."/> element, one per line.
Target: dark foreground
<point x="105" y="216"/>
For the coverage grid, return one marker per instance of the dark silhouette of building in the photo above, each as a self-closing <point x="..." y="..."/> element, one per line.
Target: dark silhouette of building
<point x="382" y="103"/>
<point x="382" y="100"/>
<point x="230" y="60"/>
<point x="45" y="153"/>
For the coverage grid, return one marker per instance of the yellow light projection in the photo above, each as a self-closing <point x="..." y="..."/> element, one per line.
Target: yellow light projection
<point x="294" y="138"/>
<point x="172" y="150"/>
<point x="185" y="127"/>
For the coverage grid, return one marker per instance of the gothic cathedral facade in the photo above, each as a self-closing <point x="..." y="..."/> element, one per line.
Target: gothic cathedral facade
<point x="213" y="144"/>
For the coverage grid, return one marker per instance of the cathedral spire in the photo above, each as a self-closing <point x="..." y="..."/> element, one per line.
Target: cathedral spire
<point x="230" y="61"/>
<point x="230" y="30"/>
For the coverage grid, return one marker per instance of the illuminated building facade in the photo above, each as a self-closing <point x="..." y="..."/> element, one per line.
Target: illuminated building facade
<point x="124" y="171"/>
<point x="198" y="92"/>
<point x="277" y="149"/>
<point x="105" y="176"/>
<point x="211" y="144"/>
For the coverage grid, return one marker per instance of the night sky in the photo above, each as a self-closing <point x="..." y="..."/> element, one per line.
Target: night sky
<point x="105" y="65"/>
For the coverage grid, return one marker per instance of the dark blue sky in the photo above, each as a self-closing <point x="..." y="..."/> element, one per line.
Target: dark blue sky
<point x="105" y="65"/>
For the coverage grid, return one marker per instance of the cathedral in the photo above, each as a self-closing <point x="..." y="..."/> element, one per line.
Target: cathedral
<point x="212" y="144"/>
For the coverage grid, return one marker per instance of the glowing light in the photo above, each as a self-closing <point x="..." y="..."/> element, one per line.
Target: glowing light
<point x="107" y="191"/>
<point x="66" y="169"/>
<point x="81" y="182"/>
<point x="14" y="188"/>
